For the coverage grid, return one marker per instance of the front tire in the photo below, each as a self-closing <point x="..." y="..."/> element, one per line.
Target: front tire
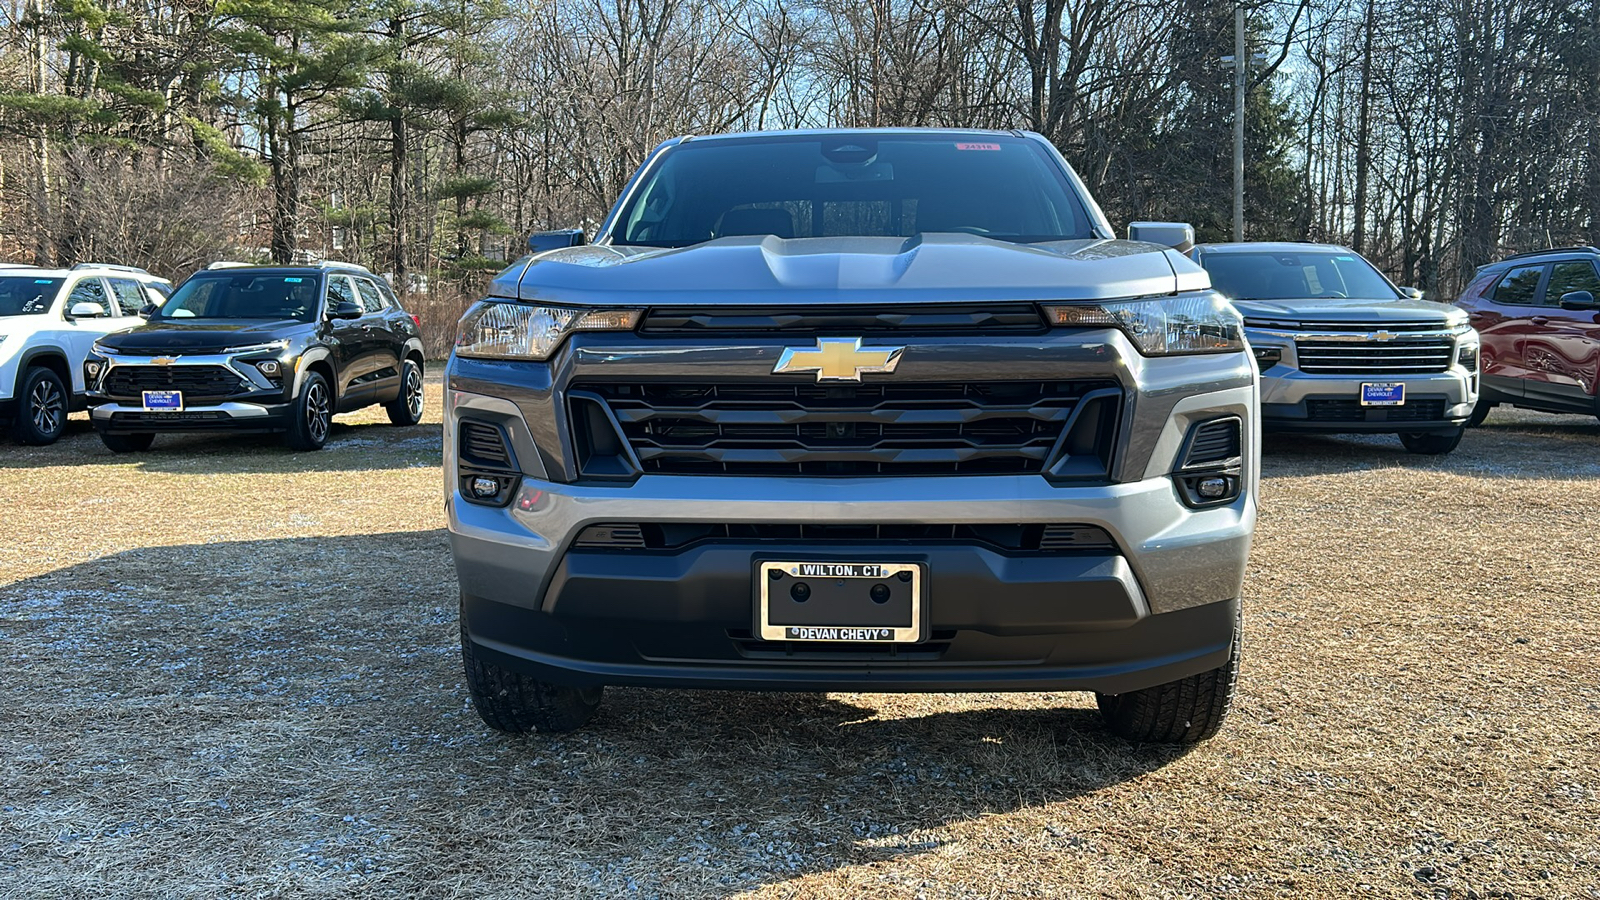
<point x="406" y="409"/>
<point x="313" y="415"/>
<point x="128" y="443"/>
<point x="41" y="409"/>
<point x="1432" y="443"/>
<point x="1480" y="412"/>
<point x="1186" y="711"/>
<point x="510" y="701"/>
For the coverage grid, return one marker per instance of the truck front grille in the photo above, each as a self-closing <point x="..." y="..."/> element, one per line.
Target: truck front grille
<point x="1346" y="410"/>
<point x="193" y="381"/>
<point x="785" y="428"/>
<point x="1022" y="538"/>
<point x="1401" y="357"/>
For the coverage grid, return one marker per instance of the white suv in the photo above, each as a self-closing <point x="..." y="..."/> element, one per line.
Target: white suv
<point x="49" y="318"/>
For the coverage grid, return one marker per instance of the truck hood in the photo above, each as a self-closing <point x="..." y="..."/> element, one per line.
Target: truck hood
<point x="1326" y="309"/>
<point x="202" y="335"/>
<point x="753" y="271"/>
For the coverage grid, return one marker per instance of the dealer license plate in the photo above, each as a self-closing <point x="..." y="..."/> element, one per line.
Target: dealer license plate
<point x="1383" y="394"/>
<point x="840" y="601"/>
<point x="163" y="401"/>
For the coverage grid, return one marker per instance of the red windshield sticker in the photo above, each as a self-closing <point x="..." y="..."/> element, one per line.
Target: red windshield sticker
<point x="977" y="146"/>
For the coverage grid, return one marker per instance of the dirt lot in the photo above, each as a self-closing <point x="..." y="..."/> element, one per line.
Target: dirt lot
<point x="233" y="670"/>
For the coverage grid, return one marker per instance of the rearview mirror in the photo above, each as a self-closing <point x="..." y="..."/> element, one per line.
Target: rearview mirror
<point x="540" y="241"/>
<point x="1578" y="300"/>
<point x="1411" y="293"/>
<point x="345" y="309"/>
<point x="86" y="310"/>
<point x="1177" y="235"/>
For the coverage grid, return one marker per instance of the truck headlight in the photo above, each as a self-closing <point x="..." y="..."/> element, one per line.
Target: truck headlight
<point x="1199" y="322"/>
<point x="503" y="330"/>
<point x="1467" y="350"/>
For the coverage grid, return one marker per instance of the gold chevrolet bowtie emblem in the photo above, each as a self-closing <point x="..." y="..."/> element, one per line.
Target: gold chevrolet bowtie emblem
<point x="837" y="359"/>
<point x="164" y="360"/>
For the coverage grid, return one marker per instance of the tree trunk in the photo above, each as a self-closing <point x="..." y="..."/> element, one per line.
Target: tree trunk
<point x="1363" y="136"/>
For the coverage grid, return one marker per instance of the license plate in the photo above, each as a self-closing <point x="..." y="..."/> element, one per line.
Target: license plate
<point x="840" y="602"/>
<point x="1386" y="394"/>
<point x="163" y="401"/>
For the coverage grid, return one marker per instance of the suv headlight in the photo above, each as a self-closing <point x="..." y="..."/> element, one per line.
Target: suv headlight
<point x="504" y="330"/>
<point x="1200" y="322"/>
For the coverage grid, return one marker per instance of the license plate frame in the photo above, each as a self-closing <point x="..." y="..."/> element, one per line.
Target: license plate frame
<point x="1383" y="393"/>
<point x="163" y="401"/>
<point x="842" y="591"/>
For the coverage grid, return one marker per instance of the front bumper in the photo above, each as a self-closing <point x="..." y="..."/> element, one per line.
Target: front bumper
<point x="232" y="416"/>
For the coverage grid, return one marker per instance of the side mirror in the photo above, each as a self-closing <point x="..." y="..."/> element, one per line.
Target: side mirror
<point x="1411" y="293"/>
<point x="1177" y="235"/>
<point x="345" y="309"/>
<point x="147" y="310"/>
<point x="540" y="241"/>
<point x="1578" y="300"/>
<point x="83" y="309"/>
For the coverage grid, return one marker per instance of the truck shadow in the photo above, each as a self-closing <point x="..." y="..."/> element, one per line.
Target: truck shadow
<point x="306" y="693"/>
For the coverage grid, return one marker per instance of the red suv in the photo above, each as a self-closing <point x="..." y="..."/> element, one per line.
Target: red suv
<point x="1539" y="316"/>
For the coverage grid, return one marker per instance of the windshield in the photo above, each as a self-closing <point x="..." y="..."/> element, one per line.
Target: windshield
<point x="243" y="295"/>
<point x="1301" y="275"/>
<point x="850" y="185"/>
<point x="23" y="296"/>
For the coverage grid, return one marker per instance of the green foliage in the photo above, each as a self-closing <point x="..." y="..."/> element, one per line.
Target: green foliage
<point x="480" y="220"/>
<point x="465" y="186"/>
<point x="228" y="161"/>
<point x="55" y="112"/>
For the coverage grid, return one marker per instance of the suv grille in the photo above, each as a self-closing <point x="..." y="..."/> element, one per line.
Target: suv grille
<point x="1403" y="357"/>
<point x="988" y="318"/>
<point x="199" y="381"/>
<point x="778" y="428"/>
<point x="1053" y="538"/>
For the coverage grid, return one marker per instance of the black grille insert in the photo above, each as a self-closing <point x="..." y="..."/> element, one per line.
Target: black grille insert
<point x="193" y="381"/>
<point x="1340" y="409"/>
<point x="1022" y="538"/>
<point x="1213" y="442"/>
<point x="484" y="445"/>
<point x="889" y="428"/>
<point x="1405" y="357"/>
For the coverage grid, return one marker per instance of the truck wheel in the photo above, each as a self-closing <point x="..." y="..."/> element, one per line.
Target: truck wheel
<point x="406" y="409"/>
<point x="128" y="443"/>
<point x="1433" y="443"/>
<point x="1186" y="711"/>
<point x="1480" y="412"/>
<point x="41" y="407"/>
<point x="313" y="415"/>
<point x="514" y="702"/>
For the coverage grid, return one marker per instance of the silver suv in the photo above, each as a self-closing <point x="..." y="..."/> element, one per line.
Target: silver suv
<point x="853" y="410"/>
<point x="1342" y="350"/>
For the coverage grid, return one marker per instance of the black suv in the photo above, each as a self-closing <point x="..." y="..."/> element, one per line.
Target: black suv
<point x="258" y="349"/>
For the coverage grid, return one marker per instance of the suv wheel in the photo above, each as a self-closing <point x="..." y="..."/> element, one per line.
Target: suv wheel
<point x="1186" y="711"/>
<point x="42" y="412"/>
<point x="128" y="443"/>
<point x="1433" y="443"/>
<point x="313" y="415"/>
<point x="406" y="409"/>
<point x="511" y="701"/>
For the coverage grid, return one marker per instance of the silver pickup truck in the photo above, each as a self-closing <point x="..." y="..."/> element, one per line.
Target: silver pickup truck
<point x="885" y="410"/>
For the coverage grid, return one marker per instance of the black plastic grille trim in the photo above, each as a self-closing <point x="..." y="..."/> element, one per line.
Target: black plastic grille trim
<point x="1339" y="409"/>
<point x="1213" y="442"/>
<point x="988" y="318"/>
<point x="483" y="445"/>
<point x="195" y="381"/>
<point x="891" y="428"/>
<point x="1025" y="538"/>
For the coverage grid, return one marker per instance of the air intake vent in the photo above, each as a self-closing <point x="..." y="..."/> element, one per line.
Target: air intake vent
<point x="1213" y="442"/>
<point x="484" y="445"/>
<point x="1075" y="537"/>
<point x="608" y="537"/>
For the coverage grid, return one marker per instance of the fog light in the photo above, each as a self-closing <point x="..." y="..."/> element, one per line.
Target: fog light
<point x="1212" y="488"/>
<point x="270" y="368"/>
<point x="485" y="488"/>
<point x="92" y="368"/>
<point x="1267" y="357"/>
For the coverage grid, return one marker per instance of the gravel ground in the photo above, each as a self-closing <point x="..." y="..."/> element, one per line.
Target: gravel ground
<point x="231" y="670"/>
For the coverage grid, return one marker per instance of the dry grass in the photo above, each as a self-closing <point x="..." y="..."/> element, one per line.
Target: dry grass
<point x="232" y="670"/>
